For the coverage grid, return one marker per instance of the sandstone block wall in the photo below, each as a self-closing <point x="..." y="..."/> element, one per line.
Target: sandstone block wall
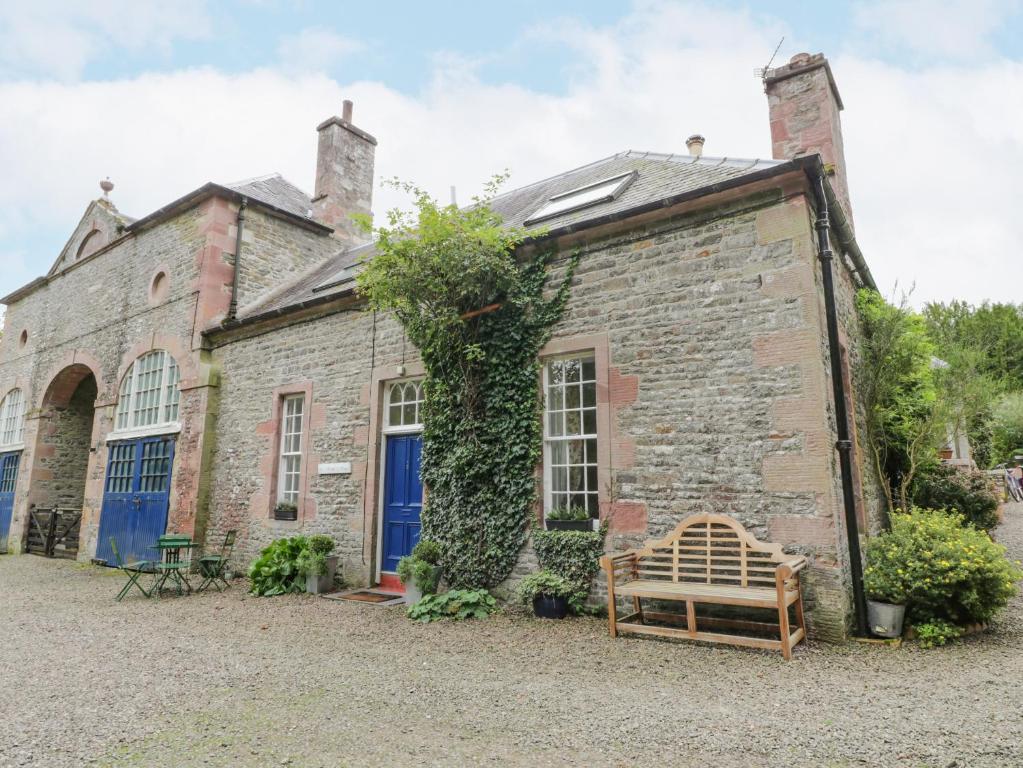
<point x="713" y="393"/>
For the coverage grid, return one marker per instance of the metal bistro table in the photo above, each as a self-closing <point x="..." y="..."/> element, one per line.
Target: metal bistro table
<point x="174" y="562"/>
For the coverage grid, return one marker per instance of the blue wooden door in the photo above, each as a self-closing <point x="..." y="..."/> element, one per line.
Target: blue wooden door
<point x="403" y="498"/>
<point x="8" y="481"/>
<point x="135" y="498"/>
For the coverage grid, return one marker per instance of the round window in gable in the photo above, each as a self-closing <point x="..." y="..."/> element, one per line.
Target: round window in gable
<point x="23" y="340"/>
<point x="159" y="288"/>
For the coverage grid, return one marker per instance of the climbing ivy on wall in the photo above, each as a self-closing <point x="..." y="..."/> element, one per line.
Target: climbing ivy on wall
<point x="475" y="307"/>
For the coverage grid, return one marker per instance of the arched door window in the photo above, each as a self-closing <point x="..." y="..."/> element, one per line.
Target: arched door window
<point x="404" y="403"/>
<point x="149" y="395"/>
<point x="12" y="419"/>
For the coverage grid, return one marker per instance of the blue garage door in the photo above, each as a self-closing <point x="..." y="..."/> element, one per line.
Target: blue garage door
<point x="136" y="498"/>
<point x="403" y="498"/>
<point x="8" y="481"/>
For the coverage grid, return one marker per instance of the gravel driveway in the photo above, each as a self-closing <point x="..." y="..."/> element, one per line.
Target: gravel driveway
<point x="231" y="680"/>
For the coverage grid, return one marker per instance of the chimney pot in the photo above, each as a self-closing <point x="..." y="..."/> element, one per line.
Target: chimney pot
<point x="695" y="145"/>
<point x="344" y="175"/>
<point x="805" y="109"/>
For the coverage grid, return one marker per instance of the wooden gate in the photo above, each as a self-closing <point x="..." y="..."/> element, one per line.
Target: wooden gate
<point x="54" y="532"/>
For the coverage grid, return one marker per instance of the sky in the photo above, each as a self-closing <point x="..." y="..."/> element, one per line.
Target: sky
<point x="163" y="97"/>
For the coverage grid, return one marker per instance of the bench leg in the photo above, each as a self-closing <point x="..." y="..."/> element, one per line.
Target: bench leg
<point x="691" y="618"/>
<point x="612" y="615"/>
<point x="800" y="621"/>
<point x="783" y="622"/>
<point x="637" y="606"/>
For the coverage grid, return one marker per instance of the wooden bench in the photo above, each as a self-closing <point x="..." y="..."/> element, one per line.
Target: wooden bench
<point x="708" y="559"/>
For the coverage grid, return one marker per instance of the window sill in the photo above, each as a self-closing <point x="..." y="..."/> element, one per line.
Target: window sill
<point x="12" y="448"/>
<point x="156" y="430"/>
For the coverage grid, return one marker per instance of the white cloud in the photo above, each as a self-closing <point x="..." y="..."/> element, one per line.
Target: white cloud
<point x="315" y="49"/>
<point x="58" y="38"/>
<point x="956" y="29"/>
<point x="933" y="153"/>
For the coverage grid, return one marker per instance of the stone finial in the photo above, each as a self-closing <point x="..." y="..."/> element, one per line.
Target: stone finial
<point x="107" y="186"/>
<point x="695" y="145"/>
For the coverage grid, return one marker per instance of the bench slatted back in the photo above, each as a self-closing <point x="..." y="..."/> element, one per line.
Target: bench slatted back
<point x="710" y="549"/>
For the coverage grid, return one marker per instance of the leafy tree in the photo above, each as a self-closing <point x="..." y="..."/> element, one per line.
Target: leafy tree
<point x="474" y="305"/>
<point x="906" y="419"/>
<point x="995" y="330"/>
<point x="1007" y="426"/>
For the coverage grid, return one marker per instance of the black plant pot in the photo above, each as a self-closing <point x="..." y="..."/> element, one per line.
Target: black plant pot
<point x="569" y="525"/>
<point x="547" y="607"/>
<point x="285" y="514"/>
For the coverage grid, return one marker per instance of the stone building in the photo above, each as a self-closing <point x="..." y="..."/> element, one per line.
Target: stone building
<point x="210" y="366"/>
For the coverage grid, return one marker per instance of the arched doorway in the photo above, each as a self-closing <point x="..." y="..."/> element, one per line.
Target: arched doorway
<point x="61" y="462"/>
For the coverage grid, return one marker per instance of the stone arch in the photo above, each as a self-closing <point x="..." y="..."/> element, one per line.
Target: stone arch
<point x="63" y="442"/>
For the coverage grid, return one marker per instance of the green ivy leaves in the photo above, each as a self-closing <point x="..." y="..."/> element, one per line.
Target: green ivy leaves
<point x="475" y="310"/>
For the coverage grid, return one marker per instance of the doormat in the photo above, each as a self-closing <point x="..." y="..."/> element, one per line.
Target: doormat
<point x="364" y="596"/>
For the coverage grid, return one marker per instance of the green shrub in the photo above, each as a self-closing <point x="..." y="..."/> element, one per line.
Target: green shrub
<point x="427" y="551"/>
<point x="965" y="492"/>
<point x="547" y="584"/>
<point x="931" y="634"/>
<point x="276" y="571"/>
<point x="569" y="513"/>
<point x="423" y="574"/>
<point x="572" y="555"/>
<point x="939" y="568"/>
<point x="312" y="561"/>
<point x="455" y="604"/>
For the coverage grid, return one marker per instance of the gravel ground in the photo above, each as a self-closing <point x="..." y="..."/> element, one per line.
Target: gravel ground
<point x="231" y="680"/>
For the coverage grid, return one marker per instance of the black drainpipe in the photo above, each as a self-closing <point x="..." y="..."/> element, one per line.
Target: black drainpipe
<point x="232" y="309"/>
<point x="844" y="444"/>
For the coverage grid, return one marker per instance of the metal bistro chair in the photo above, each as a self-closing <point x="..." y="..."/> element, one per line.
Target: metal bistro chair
<point x="212" y="567"/>
<point x="176" y="562"/>
<point x="133" y="570"/>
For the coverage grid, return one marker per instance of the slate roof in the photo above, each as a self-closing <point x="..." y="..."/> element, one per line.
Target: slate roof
<point x="277" y="191"/>
<point x="658" y="177"/>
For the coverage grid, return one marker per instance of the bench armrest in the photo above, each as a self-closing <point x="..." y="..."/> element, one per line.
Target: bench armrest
<point x="617" y="563"/>
<point x="790" y="568"/>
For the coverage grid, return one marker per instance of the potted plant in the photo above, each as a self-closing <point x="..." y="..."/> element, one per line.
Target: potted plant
<point x="285" y="510"/>
<point x="548" y="593"/>
<point x="569" y="519"/>
<point x="420" y="572"/>
<point x="318" y="565"/>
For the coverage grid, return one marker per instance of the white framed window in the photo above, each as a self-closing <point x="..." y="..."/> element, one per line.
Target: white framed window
<point x="12" y="418"/>
<point x="149" y="395"/>
<point x="404" y="405"/>
<point x="289" y="474"/>
<point x="570" y="434"/>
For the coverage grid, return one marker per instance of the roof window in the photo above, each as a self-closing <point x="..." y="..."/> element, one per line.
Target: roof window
<point x="583" y="197"/>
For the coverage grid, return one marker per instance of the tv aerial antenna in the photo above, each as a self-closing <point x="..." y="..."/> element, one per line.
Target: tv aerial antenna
<point x="761" y="72"/>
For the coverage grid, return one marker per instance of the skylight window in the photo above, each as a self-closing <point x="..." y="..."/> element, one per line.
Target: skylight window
<point x="583" y="197"/>
<point x="345" y="275"/>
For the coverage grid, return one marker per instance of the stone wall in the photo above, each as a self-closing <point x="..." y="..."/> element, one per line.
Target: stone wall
<point x="713" y="393"/>
<point x="100" y="314"/>
<point x="63" y="449"/>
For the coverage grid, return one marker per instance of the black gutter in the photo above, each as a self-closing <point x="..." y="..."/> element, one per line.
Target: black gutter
<point x="844" y="444"/>
<point x="232" y="309"/>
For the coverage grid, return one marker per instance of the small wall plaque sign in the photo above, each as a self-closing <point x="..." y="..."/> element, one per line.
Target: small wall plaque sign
<point x="336" y="468"/>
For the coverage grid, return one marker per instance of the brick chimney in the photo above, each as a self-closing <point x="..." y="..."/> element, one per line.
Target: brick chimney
<point x="805" y="106"/>
<point x="344" y="175"/>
